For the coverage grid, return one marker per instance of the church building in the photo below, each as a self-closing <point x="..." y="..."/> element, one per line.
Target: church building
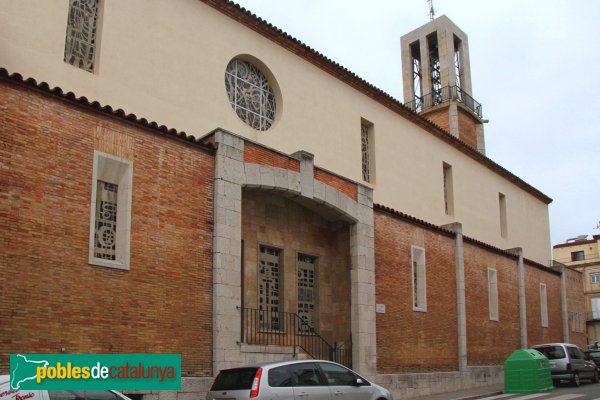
<point x="184" y="177"/>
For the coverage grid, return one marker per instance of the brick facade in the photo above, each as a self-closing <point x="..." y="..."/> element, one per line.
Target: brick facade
<point x="576" y="304"/>
<point x="256" y="154"/>
<point x="467" y="127"/>
<point x="407" y="340"/>
<point x="537" y="334"/>
<point x="52" y="299"/>
<point x="481" y="331"/>
<point x="345" y="186"/>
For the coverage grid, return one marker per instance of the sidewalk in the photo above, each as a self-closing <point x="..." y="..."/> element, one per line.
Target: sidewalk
<point x="468" y="394"/>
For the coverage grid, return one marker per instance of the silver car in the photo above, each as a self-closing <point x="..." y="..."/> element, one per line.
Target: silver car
<point x="568" y="362"/>
<point x="299" y="379"/>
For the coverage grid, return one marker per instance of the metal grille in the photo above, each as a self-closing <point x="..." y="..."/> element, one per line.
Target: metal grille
<point x="80" y="42"/>
<point x="306" y="290"/>
<point x="416" y="59"/>
<point x="106" y="221"/>
<point x="268" y="288"/>
<point x="457" y="67"/>
<point x="250" y="94"/>
<point x="364" y="138"/>
<point x="434" y="63"/>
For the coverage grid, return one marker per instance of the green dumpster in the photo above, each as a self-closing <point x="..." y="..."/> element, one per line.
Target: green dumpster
<point x="527" y="371"/>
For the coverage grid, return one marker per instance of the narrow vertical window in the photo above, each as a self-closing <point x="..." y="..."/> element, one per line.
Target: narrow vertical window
<point x="503" y="218"/>
<point x="419" y="279"/>
<point x="80" y="41"/>
<point x="110" y="218"/>
<point x="457" y="63"/>
<point x="415" y="53"/>
<point x="448" y="189"/>
<point x="269" y="288"/>
<point x="367" y="151"/>
<point x="493" y="294"/>
<point x="435" y="69"/>
<point x="307" y="292"/>
<point x="543" y="305"/>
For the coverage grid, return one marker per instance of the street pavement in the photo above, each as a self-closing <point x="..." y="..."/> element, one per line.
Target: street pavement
<point x="584" y="392"/>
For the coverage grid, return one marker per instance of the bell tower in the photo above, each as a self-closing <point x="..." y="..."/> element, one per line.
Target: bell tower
<point x="436" y="76"/>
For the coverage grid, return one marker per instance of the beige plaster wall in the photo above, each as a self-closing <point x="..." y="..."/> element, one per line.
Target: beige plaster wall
<point x="165" y="61"/>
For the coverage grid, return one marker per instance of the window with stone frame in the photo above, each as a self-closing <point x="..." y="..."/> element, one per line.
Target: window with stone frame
<point x="543" y="305"/>
<point x="110" y="216"/>
<point x="80" y="40"/>
<point x="493" y="294"/>
<point x="419" y="279"/>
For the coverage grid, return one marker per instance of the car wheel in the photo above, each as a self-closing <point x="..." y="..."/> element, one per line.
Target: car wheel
<point x="575" y="380"/>
<point x="595" y="379"/>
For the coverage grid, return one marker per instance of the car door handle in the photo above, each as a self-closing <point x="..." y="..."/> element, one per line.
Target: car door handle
<point x="303" y="394"/>
<point x="338" y="393"/>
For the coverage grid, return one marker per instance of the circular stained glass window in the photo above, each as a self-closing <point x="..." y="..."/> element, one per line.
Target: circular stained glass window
<point x="250" y="94"/>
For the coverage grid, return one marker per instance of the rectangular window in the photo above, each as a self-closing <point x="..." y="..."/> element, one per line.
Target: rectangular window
<point x="595" y="278"/>
<point x="577" y="256"/>
<point x="543" y="305"/>
<point x="596" y="308"/>
<point x="448" y="189"/>
<point x="367" y="151"/>
<point x="80" y="41"/>
<point x="419" y="279"/>
<point x="269" y="288"/>
<point x="493" y="294"/>
<point x="503" y="218"/>
<point x="110" y="216"/>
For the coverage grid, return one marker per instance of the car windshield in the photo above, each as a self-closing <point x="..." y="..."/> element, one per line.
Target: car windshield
<point x="552" y="352"/>
<point x="594" y="354"/>
<point x="234" y="379"/>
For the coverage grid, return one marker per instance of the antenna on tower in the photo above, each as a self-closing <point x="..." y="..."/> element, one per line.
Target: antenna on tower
<point x="431" y="10"/>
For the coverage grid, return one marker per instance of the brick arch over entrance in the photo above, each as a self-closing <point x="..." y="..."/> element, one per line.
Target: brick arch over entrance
<point x="239" y="164"/>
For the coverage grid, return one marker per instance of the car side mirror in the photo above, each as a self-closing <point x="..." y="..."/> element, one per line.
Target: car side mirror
<point x="359" y="382"/>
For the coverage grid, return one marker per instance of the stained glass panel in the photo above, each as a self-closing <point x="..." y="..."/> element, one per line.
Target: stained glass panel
<point x="80" y="42"/>
<point x="250" y="94"/>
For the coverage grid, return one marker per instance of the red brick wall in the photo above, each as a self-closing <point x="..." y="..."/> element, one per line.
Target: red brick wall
<point x="51" y="297"/>
<point x="576" y="303"/>
<point x="467" y="128"/>
<point x="536" y="334"/>
<point x="490" y="342"/>
<point x="348" y="188"/>
<point x="407" y="340"/>
<point x="259" y="155"/>
<point x="439" y="117"/>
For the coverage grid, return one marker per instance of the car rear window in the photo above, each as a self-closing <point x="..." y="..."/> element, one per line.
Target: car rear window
<point x="234" y="379"/>
<point x="594" y="353"/>
<point x="552" y="352"/>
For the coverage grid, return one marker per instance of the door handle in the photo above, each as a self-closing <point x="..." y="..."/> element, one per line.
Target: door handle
<point x="303" y="394"/>
<point x="338" y="393"/>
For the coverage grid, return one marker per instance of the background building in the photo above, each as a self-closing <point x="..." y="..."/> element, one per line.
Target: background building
<point x="279" y="207"/>
<point x="583" y="254"/>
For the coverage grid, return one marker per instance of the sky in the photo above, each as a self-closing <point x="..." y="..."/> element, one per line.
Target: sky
<point x="535" y="67"/>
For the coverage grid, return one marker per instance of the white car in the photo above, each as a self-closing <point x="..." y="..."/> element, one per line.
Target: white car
<point x="298" y="379"/>
<point x="7" y="394"/>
